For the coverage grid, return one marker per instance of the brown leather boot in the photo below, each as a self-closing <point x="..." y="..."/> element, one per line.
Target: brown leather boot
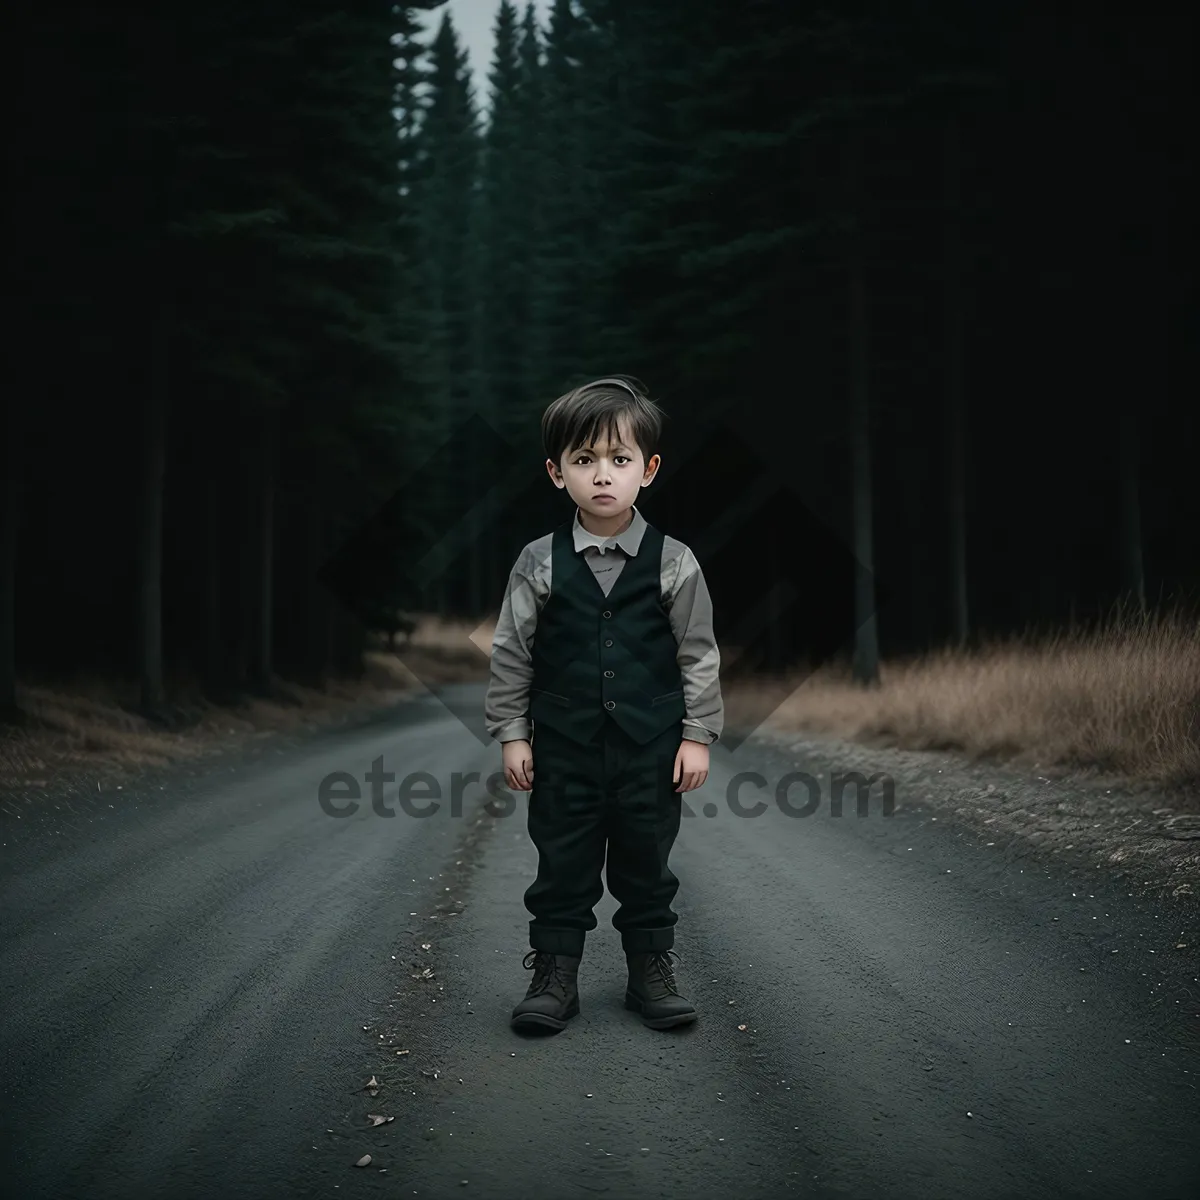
<point x="653" y="991"/>
<point x="553" y="996"/>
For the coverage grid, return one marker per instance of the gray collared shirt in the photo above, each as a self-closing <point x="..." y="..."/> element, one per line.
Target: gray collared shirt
<point x="684" y="595"/>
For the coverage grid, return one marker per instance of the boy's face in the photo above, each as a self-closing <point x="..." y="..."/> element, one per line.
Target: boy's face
<point x="604" y="478"/>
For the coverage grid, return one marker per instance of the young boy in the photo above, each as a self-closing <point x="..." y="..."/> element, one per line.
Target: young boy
<point x="622" y="688"/>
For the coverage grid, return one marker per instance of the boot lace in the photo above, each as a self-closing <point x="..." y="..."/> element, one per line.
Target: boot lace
<point x="545" y="971"/>
<point x="659" y="962"/>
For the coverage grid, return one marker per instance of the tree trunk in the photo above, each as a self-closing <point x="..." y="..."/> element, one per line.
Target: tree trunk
<point x="342" y="642"/>
<point x="260" y="668"/>
<point x="916" y="467"/>
<point x="1133" y="576"/>
<point x="10" y="499"/>
<point x="150" y="558"/>
<point x="866" y="637"/>
<point x="316" y="640"/>
<point x="240" y="604"/>
<point x="955" y="396"/>
<point x="477" y="538"/>
<point x="356" y="646"/>
<point x="214" y="665"/>
<point x="333" y="618"/>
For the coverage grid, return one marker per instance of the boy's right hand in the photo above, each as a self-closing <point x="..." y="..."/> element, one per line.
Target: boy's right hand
<point x="518" y="765"/>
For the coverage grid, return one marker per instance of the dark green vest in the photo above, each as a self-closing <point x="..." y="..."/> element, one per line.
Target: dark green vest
<point x="594" y="653"/>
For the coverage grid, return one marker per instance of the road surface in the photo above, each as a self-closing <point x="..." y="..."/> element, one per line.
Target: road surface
<point x="200" y="975"/>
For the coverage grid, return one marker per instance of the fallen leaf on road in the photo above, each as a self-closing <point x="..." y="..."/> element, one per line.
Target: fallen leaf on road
<point x="376" y="1119"/>
<point x="364" y="1161"/>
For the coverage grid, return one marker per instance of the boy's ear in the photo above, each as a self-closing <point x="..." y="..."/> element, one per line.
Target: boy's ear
<point x="555" y="473"/>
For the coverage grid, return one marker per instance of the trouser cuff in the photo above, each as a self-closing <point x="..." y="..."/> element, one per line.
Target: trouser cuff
<point x="557" y="941"/>
<point x="642" y="941"/>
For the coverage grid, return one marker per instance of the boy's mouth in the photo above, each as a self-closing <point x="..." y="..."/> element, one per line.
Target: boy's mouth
<point x="603" y="496"/>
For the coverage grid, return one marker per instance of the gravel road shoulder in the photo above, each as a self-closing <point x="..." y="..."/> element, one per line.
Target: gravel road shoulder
<point x="1148" y="837"/>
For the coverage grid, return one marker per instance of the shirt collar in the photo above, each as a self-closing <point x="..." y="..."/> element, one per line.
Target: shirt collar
<point x="628" y="539"/>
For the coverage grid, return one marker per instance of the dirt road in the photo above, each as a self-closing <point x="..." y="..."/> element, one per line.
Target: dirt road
<point x="201" y="972"/>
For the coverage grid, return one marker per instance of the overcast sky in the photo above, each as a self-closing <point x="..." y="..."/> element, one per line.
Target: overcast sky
<point x="475" y="22"/>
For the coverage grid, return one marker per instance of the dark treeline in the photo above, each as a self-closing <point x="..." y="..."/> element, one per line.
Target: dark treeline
<point x="908" y="278"/>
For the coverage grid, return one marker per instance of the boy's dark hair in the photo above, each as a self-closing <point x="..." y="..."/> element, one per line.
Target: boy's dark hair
<point x="577" y="416"/>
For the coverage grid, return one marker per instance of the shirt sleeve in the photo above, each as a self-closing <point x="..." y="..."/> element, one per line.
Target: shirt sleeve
<point x="690" y="608"/>
<point x="506" y="708"/>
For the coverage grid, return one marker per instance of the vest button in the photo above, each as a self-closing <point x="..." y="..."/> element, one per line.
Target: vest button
<point x="608" y="641"/>
<point x="606" y="614"/>
<point x="608" y="674"/>
<point x="610" y="704"/>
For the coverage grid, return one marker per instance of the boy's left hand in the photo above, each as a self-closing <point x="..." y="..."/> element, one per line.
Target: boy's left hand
<point x="691" y="765"/>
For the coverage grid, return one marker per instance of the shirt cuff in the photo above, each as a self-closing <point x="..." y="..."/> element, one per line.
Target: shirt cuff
<point x="516" y="730"/>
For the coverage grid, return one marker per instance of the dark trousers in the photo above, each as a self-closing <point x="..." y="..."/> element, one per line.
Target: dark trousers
<point x="611" y="797"/>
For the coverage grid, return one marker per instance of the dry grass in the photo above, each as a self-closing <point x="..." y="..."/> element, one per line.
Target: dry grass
<point x="1121" y="697"/>
<point x="89" y="726"/>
